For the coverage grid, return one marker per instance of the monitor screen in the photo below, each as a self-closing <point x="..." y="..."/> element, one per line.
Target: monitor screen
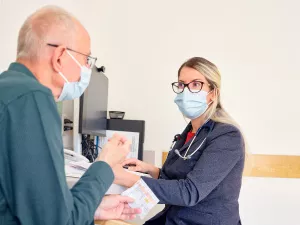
<point x="93" y="106"/>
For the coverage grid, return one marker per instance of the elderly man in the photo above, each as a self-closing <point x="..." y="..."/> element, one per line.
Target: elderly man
<point x="53" y="64"/>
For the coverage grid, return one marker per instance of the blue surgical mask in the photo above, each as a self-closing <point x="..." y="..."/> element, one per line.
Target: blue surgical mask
<point x="72" y="90"/>
<point x="192" y="105"/>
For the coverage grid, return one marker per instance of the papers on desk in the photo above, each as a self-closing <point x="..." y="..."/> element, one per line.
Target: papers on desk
<point x="144" y="198"/>
<point x="133" y="137"/>
<point x="74" y="170"/>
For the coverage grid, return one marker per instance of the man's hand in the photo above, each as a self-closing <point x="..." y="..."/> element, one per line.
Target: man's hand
<point x="115" y="207"/>
<point x="115" y="151"/>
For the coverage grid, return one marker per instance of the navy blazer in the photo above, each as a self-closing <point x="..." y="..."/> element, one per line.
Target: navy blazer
<point x="203" y="190"/>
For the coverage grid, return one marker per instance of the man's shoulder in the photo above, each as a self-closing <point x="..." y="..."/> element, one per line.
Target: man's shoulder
<point x="14" y="85"/>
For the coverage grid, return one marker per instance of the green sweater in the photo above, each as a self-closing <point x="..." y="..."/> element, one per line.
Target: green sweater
<point x="33" y="188"/>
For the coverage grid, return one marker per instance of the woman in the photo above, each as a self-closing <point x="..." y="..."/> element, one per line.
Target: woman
<point x="201" y="179"/>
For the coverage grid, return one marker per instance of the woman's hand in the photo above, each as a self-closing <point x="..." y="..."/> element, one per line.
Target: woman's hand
<point x="140" y="166"/>
<point x="123" y="177"/>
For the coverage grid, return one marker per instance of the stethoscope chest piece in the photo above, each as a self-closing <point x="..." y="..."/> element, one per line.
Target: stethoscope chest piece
<point x="186" y="155"/>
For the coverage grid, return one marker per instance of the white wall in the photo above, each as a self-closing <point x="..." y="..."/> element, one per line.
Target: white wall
<point x="142" y="44"/>
<point x="254" y="43"/>
<point x="267" y="201"/>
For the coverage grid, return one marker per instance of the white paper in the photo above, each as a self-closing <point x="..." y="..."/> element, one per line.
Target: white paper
<point x="133" y="137"/>
<point x="72" y="172"/>
<point x="144" y="198"/>
<point x="75" y="170"/>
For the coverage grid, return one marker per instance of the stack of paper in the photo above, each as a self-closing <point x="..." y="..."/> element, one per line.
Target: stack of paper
<point x="74" y="170"/>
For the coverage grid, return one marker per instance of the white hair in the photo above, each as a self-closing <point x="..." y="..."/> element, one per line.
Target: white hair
<point x="50" y="24"/>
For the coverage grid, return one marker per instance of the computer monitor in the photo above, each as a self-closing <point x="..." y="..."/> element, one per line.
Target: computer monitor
<point x="93" y="106"/>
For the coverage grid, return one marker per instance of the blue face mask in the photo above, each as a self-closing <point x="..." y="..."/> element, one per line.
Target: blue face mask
<point x="192" y="105"/>
<point x="72" y="90"/>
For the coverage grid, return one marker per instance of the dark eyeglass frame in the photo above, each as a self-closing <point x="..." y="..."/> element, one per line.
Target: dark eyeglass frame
<point x="187" y="85"/>
<point x="90" y="57"/>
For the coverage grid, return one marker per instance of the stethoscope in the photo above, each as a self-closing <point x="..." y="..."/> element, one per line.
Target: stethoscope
<point x="177" y="137"/>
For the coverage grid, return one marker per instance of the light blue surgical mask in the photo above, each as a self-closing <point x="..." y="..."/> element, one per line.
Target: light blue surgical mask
<point x="192" y="105"/>
<point x="72" y="90"/>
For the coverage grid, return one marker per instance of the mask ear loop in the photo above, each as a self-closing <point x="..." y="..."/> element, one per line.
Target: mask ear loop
<point x="74" y="59"/>
<point x="185" y="119"/>
<point x="60" y="73"/>
<point x="214" y="90"/>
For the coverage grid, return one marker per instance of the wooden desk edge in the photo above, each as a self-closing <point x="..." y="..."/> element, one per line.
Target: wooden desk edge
<point x="272" y="166"/>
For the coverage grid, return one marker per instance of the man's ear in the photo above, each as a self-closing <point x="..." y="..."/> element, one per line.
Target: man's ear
<point x="57" y="58"/>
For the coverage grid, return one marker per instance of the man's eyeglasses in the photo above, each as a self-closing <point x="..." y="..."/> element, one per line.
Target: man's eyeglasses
<point x="91" y="61"/>
<point x="194" y="86"/>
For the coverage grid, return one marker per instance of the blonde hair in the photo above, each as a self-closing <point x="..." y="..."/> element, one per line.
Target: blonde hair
<point x="48" y="24"/>
<point x="216" y="111"/>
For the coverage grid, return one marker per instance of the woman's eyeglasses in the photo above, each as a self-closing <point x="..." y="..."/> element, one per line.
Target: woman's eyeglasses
<point x="194" y="86"/>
